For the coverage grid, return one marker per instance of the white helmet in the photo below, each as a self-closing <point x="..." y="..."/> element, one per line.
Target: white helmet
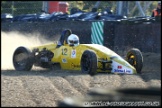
<point x="73" y="40"/>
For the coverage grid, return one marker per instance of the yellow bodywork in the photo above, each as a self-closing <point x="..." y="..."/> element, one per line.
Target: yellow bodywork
<point x="69" y="57"/>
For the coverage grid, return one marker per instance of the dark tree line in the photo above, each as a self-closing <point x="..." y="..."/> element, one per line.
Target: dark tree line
<point x="30" y="7"/>
<point x="21" y="7"/>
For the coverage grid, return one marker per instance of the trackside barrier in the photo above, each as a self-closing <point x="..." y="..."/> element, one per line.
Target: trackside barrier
<point x="114" y="35"/>
<point x="146" y="37"/>
<point x="119" y="36"/>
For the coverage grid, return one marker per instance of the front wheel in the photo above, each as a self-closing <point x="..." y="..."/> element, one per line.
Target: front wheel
<point x="22" y="59"/>
<point x="89" y="62"/>
<point x="135" y="58"/>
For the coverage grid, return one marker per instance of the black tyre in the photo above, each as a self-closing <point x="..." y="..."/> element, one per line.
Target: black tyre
<point x="22" y="59"/>
<point x="135" y="58"/>
<point x="89" y="62"/>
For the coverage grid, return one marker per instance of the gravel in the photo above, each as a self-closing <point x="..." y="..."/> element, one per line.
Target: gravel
<point x="44" y="88"/>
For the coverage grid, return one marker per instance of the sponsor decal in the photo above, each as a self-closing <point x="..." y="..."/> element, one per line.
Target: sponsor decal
<point x="127" y="71"/>
<point x="64" y="60"/>
<point x="119" y="67"/>
<point x="122" y="70"/>
<point x="73" y="54"/>
<point x="74" y="65"/>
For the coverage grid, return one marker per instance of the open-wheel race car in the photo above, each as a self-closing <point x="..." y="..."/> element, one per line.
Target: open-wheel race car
<point x="71" y="55"/>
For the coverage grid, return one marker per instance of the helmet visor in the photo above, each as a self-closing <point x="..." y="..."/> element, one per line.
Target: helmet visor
<point x="73" y="41"/>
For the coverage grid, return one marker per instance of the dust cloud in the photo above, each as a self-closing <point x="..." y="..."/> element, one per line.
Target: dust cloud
<point x="11" y="40"/>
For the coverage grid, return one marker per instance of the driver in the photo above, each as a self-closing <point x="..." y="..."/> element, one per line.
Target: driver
<point x="73" y="40"/>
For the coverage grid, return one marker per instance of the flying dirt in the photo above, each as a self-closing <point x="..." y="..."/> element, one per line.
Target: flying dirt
<point x="12" y="40"/>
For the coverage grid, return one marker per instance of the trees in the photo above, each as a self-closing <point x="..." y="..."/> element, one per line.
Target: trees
<point x="29" y="7"/>
<point x="88" y="5"/>
<point x="130" y="6"/>
<point x="21" y="7"/>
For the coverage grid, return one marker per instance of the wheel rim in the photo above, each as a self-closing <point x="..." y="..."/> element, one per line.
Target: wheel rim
<point x="132" y="60"/>
<point x="20" y="59"/>
<point x="85" y="63"/>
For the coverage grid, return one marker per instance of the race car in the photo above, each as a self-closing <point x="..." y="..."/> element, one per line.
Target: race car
<point x="69" y="54"/>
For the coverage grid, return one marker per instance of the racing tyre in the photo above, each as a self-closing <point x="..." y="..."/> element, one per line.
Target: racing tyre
<point x="135" y="58"/>
<point x="22" y="59"/>
<point x="89" y="62"/>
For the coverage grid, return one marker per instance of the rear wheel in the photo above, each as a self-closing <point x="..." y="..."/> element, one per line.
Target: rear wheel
<point x="135" y="58"/>
<point x="22" y="59"/>
<point x="89" y="62"/>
